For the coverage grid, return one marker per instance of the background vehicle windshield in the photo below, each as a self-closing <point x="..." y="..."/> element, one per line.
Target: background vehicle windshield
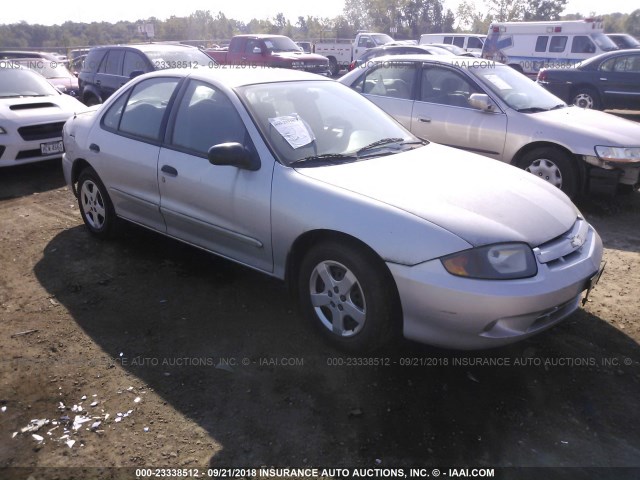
<point x="304" y="119"/>
<point x="46" y="68"/>
<point x="515" y="89"/>
<point x="604" y="42"/>
<point x="381" y="38"/>
<point x="178" y="58"/>
<point x="18" y="82"/>
<point x="281" y="44"/>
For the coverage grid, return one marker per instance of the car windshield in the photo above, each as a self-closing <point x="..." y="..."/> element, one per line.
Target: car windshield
<point x="516" y="90"/>
<point x="46" y="68"/>
<point x="381" y="38"/>
<point x="281" y="44"/>
<point x="19" y="82"/>
<point x="180" y="57"/>
<point x="604" y="42"/>
<point x="322" y="120"/>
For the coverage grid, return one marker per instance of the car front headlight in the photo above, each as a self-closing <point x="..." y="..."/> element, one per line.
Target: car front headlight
<point x="618" y="154"/>
<point x="493" y="262"/>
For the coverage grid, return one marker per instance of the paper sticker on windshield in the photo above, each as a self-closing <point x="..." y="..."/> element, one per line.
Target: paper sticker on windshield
<point x="294" y="130"/>
<point x="498" y="82"/>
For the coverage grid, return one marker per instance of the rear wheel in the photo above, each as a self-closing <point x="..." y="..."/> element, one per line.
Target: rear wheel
<point x="346" y="293"/>
<point x="585" y="97"/>
<point x="554" y="166"/>
<point x="95" y="205"/>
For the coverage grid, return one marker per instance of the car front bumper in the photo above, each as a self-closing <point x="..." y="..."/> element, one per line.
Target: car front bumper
<point x="453" y="312"/>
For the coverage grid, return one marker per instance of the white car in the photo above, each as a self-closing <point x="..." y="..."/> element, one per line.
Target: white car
<point x="32" y="114"/>
<point x="303" y="179"/>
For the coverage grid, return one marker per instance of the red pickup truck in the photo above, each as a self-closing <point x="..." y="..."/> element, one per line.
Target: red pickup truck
<point x="278" y="51"/>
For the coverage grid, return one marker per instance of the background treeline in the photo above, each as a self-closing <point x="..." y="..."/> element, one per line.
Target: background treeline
<point x="404" y="19"/>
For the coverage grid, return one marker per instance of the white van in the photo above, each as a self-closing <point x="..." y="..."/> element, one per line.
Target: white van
<point x="469" y="41"/>
<point x="530" y="46"/>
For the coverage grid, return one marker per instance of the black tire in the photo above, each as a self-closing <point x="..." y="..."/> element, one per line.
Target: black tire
<point x="586" y="97"/>
<point x="91" y="100"/>
<point x="333" y="66"/>
<point x="517" y="67"/>
<point x="361" y="318"/>
<point x="555" y="166"/>
<point x="95" y="205"/>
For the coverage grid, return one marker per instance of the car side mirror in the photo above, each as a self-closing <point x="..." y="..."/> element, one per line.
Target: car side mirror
<point x="135" y="73"/>
<point x="233" y="154"/>
<point x="481" y="101"/>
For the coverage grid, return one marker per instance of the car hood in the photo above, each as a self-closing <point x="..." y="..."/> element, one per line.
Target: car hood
<point x="599" y="128"/>
<point x="48" y="107"/>
<point x="480" y="200"/>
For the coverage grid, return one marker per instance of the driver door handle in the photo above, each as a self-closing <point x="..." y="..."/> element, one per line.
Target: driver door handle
<point x="424" y="119"/>
<point x="169" y="170"/>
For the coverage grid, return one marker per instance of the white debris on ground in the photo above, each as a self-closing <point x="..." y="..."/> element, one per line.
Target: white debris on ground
<point x="77" y="425"/>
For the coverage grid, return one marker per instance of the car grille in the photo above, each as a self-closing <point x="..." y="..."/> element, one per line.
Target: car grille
<point x="22" y="154"/>
<point x="40" y="132"/>
<point x="316" y="68"/>
<point x="567" y="247"/>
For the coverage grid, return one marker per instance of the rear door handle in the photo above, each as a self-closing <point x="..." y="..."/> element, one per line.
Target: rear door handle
<point x="169" y="170"/>
<point x="94" y="148"/>
<point x="424" y="119"/>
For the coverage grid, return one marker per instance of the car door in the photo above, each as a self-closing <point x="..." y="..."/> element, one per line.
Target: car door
<point x="109" y="77"/>
<point x="442" y="114"/>
<point x="223" y="209"/>
<point x="619" y="81"/>
<point x="390" y="85"/>
<point x="125" y="147"/>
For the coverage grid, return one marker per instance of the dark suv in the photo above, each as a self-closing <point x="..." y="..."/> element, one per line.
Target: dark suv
<point x="107" y="68"/>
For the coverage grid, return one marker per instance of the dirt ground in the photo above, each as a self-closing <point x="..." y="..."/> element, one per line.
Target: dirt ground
<point x="142" y="352"/>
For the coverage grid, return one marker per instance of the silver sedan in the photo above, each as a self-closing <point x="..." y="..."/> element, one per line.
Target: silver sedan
<point x="490" y="109"/>
<point x="301" y="178"/>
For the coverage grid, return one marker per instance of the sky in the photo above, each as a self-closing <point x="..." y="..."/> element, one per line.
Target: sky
<point x="46" y="12"/>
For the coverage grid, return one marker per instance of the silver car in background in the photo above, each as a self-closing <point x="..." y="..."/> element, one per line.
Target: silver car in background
<point x="489" y="108"/>
<point x="305" y="180"/>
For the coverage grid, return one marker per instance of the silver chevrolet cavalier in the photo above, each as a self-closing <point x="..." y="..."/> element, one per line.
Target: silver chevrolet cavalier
<point x="303" y="179"/>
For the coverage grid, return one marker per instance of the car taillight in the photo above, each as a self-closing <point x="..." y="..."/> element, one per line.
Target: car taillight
<point x="542" y="76"/>
<point x="352" y="65"/>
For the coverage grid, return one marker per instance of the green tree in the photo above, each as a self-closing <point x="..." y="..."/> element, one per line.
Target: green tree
<point x="632" y="24"/>
<point x="543" y="9"/>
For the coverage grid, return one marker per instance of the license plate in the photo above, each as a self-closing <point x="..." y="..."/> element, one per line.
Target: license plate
<point x="51" y="147"/>
<point x="595" y="278"/>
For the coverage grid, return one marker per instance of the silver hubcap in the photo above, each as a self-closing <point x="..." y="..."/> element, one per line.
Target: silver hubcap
<point x="583" y="100"/>
<point x="337" y="298"/>
<point x="546" y="170"/>
<point x="93" y="205"/>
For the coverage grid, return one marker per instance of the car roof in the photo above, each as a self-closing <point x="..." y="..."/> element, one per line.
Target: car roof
<point x="148" y="47"/>
<point x="456" y="61"/>
<point x="241" y="77"/>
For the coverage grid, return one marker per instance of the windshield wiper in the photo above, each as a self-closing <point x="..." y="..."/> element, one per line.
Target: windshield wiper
<point x="557" y="107"/>
<point x="532" y="110"/>
<point x="379" y="143"/>
<point x="324" y="157"/>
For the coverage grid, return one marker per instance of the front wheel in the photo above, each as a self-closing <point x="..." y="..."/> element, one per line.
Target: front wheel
<point x="347" y="294"/>
<point x="95" y="205"/>
<point x="553" y="166"/>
